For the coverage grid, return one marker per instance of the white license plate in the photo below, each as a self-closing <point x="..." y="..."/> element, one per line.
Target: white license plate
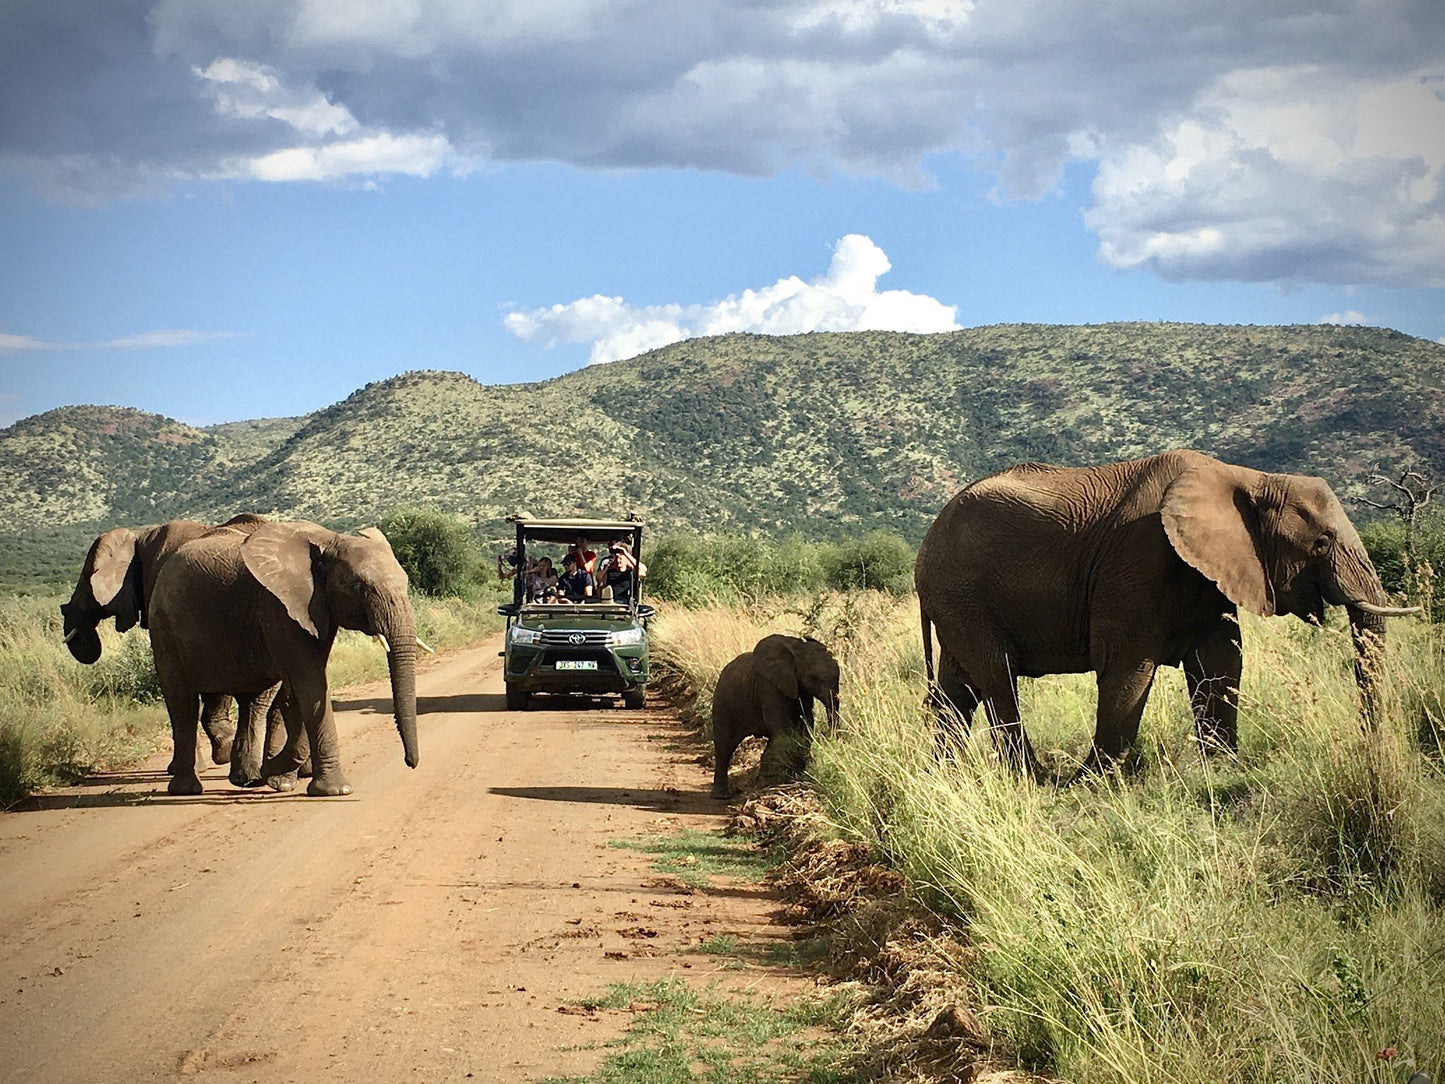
<point x="576" y="664"/>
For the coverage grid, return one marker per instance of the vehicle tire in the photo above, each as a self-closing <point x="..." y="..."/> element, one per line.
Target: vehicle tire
<point x="517" y="699"/>
<point x="634" y="698"/>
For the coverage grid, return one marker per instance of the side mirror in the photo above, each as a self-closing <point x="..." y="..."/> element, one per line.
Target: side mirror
<point x="645" y="611"/>
<point x="508" y="609"/>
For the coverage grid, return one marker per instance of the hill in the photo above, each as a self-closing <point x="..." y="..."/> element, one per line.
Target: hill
<point x="824" y="434"/>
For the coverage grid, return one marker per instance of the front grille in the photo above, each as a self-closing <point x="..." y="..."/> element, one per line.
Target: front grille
<point x="590" y="638"/>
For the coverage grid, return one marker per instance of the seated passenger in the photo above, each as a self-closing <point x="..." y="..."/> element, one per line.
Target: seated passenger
<point x="576" y="582"/>
<point x="586" y="559"/>
<point x="542" y="582"/>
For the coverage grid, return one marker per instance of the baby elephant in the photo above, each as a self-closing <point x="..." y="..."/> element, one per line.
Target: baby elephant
<point x="768" y="693"/>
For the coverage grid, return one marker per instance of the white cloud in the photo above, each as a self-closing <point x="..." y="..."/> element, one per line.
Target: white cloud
<point x="1349" y="316"/>
<point x="1290" y="142"/>
<point x="145" y="340"/>
<point x="846" y="298"/>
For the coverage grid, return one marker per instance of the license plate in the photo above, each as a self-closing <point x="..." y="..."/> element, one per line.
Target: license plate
<point x="576" y="664"/>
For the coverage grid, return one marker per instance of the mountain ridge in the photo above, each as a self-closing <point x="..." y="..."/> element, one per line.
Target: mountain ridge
<point x="823" y="434"/>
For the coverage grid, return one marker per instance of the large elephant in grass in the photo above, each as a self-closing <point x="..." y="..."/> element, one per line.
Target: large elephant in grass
<point x="1122" y="568"/>
<point x="238" y="613"/>
<point x="768" y="692"/>
<point x="117" y="580"/>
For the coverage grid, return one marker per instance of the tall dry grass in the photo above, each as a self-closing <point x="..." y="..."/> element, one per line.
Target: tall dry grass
<point x="60" y="719"/>
<point x="1272" y="918"/>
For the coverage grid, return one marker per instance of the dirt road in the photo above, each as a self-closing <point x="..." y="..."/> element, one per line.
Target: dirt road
<point x="428" y="927"/>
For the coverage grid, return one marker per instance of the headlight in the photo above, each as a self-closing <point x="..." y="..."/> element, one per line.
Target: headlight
<point x="625" y="637"/>
<point x="521" y="635"/>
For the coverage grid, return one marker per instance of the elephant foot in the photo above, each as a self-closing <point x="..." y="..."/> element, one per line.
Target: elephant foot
<point x="282" y="783"/>
<point x="305" y="770"/>
<point x="171" y="767"/>
<point x="721" y="791"/>
<point x="328" y="785"/>
<point x="185" y="783"/>
<point x="221" y="751"/>
<point x="245" y="775"/>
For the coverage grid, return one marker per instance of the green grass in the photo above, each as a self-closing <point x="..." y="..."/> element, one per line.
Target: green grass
<point x="1274" y="918"/>
<point x="693" y="857"/>
<point x="681" y="1034"/>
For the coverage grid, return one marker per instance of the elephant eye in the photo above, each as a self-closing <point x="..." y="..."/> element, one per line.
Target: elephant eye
<point x="1323" y="543"/>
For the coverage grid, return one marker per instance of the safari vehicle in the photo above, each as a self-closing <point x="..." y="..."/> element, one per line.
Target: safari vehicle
<point x="593" y="647"/>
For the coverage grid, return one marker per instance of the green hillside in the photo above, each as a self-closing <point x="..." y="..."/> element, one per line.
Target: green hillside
<point x="824" y="434"/>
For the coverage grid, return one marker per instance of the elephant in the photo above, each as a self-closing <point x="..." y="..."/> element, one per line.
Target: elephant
<point x="117" y="580"/>
<point x="238" y="613"/>
<point x="768" y="692"/>
<point x="1122" y="568"/>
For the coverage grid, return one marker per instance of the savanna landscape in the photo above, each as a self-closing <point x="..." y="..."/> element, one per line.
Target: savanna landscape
<point x="553" y="895"/>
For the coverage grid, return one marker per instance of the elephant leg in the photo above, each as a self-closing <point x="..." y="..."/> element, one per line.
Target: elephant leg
<point x="785" y="757"/>
<point x="310" y="698"/>
<point x="1123" y="692"/>
<point x="184" y="709"/>
<point x="954" y="702"/>
<point x="216" y="722"/>
<point x="277" y="740"/>
<point x="251" y="715"/>
<point x="725" y="742"/>
<point x="1211" y="672"/>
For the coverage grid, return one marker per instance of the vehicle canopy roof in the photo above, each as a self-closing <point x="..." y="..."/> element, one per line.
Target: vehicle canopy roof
<point x="566" y="531"/>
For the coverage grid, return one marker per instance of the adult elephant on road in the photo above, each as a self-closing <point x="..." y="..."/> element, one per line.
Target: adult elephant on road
<point x="768" y="692"/>
<point x="239" y="613"/>
<point x="117" y="580"/>
<point x="1122" y="568"/>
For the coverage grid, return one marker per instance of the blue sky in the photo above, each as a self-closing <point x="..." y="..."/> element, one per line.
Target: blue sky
<point x="220" y="212"/>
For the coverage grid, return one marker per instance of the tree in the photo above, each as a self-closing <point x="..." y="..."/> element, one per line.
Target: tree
<point x="437" y="550"/>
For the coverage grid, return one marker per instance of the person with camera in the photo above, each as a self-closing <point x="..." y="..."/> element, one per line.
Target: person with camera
<point x="620" y="572"/>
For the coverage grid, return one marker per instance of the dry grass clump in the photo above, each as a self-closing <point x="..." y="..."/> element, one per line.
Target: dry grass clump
<point x="1275" y="917"/>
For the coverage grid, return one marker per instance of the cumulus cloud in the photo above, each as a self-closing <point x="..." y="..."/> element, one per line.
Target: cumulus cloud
<point x="845" y="298"/>
<point x="1349" y="316"/>
<point x="145" y="340"/>
<point x="1286" y="142"/>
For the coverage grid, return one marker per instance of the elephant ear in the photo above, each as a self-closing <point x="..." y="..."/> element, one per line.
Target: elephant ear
<point x="282" y="557"/>
<point x="115" y="576"/>
<point x="774" y="663"/>
<point x="1210" y="518"/>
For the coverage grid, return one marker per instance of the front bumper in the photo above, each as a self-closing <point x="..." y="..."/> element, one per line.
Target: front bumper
<point x="615" y="669"/>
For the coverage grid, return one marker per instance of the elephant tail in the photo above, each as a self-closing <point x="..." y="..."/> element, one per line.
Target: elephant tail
<point x="927" y="645"/>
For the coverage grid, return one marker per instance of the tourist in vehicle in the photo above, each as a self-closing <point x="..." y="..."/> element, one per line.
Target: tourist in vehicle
<point x="586" y="559"/>
<point x="542" y="582"/>
<point x="576" y="582"/>
<point x="620" y="572"/>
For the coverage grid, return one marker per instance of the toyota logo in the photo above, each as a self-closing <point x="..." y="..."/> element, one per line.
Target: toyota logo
<point x="576" y="638"/>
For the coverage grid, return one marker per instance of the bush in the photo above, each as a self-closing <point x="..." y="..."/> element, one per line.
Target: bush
<point x="877" y="562"/>
<point x="1414" y="577"/>
<point x="438" y="551"/>
<point x="696" y="570"/>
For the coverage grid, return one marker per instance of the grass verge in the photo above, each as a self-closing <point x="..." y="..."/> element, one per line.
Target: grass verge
<point x="1276" y="917"/>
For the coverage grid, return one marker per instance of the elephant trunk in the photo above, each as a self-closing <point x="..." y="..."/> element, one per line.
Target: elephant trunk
<point x="1352" y="580"/>
<point x="82" y="637"/>
<point x="830" y="709"/>
<point x="400" y="634"/>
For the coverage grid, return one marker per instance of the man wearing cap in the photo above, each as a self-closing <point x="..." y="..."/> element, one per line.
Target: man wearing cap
<point x="576" y="581"/>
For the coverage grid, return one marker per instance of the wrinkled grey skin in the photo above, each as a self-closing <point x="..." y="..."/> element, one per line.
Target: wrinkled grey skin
<point x="117" y="581"/>
<point x="1120" y="569"/>
<point x="769" y="692"/>
<point x="239" y="613"/>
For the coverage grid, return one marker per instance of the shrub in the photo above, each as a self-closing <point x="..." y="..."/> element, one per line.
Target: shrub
<point x="438" y="551"/>
<point x="878" y="562"/>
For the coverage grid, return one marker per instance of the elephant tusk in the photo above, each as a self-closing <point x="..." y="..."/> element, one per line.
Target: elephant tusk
<point x="1386" y="611"/>
<point x="380" y="639"/>
<point x="425" y="646"/>
<point x="71" y="635"/>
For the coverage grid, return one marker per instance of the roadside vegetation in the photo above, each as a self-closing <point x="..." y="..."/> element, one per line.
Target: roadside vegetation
<point x="1276" y="918"/>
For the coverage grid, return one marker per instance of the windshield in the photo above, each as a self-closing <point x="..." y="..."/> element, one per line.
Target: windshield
<point x="555" y="565"/>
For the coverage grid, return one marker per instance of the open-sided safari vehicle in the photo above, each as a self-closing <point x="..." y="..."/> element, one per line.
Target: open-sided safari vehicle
<point x="592" y="647"/>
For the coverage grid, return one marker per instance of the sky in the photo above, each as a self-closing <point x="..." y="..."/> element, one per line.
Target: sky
<point x="221" y="211"/>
